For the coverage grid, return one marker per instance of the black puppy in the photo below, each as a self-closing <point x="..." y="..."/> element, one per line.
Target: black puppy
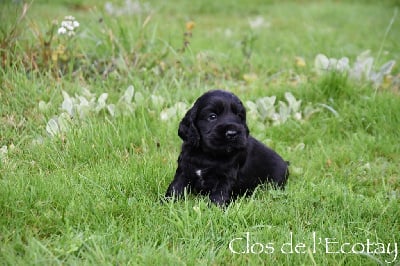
<point x="219" y="158"/>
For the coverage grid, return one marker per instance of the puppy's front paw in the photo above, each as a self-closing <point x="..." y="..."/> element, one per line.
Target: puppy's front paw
<point x="172" y="194"/>
<point x="219" y="199"/>
<point x="176" y="190"/>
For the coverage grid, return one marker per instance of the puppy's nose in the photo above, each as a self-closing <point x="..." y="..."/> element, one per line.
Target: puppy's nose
<point x="231" y="134"/>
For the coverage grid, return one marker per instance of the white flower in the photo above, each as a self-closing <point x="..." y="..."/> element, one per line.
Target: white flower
<point x="258" y="22"/>
<point x="68" y="26"/>
<point x="62" y="31"/>
<point x="65" y="24"/>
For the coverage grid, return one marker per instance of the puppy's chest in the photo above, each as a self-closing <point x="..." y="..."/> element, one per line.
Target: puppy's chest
<point x="205" y="169"/>
<point x="206" y="172"/>
<point x="207" y="177"/>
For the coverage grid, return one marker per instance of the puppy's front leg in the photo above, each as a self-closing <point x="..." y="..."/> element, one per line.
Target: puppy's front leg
<point x="178" y="185"/>
<point x="221" y="193"/>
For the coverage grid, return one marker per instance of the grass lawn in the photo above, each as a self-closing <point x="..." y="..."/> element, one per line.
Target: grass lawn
<point x="89" y="117"/>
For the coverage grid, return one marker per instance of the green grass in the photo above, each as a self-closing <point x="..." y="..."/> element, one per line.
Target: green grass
<point x="92" y="195"/>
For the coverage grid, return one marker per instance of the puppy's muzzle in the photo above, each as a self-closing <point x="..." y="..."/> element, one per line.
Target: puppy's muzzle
<point x="231" y="134"/>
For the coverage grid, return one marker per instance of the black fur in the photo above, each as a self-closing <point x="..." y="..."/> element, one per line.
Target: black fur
<point x="219" y="158"/>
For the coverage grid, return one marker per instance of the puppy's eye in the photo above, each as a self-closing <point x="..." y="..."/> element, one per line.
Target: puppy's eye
<point x="212" y="117"/>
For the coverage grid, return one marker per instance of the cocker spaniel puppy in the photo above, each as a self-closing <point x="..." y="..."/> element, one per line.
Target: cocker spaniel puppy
<point x="219" y="158"/>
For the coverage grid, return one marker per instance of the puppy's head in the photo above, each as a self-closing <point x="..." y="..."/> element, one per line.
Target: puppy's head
<point x="216" y="123"/>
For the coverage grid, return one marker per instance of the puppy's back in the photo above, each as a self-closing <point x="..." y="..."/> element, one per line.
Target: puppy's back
<point x="262" y="165"/>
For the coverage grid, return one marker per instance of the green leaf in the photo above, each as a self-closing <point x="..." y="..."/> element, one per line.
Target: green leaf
<point x="294" y="105"/>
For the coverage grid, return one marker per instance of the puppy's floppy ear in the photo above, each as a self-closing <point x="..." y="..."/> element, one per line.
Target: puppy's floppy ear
<point x="247" y="130"/>
<point x="244" y="117"/>
<point x="187" y="128"/>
